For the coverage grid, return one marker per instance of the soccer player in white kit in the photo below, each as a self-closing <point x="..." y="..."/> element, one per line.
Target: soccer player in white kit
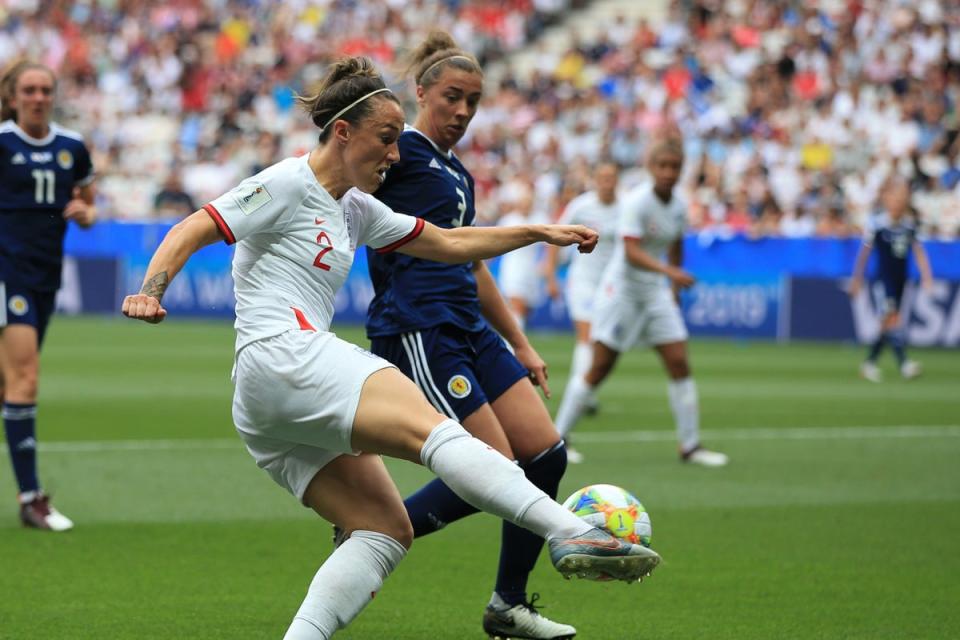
<point x="635" y="303"/>
<point x="519" y="277"/>
<point x="317" y="412"/>
<point x="598" y="209"/>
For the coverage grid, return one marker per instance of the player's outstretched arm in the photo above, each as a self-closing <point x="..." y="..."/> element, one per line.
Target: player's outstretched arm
<point x="183" y="240"/>
<point x="466" y="244"/>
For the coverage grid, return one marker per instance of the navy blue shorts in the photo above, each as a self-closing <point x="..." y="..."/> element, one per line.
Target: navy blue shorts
<point x="458" y="371"/>
<point x="26" y="306"/>
<point x="892" y="295"/>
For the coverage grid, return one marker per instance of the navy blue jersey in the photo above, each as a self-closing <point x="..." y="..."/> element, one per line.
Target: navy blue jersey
<point x="37" y="178"/>
<point x="410" y="293"/>
<point x="892" y="242"/>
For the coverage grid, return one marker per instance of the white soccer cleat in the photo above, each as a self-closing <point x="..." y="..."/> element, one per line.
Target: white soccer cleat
<point x="38" y="513"/>
<point x="870" y="371"/>
<point x="705" y="458"/>
<point x="503" y="622"/>
<point x="910" y="369"/>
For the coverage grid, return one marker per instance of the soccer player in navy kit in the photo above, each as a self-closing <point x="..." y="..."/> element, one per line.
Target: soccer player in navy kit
<point x="46" y="180"/>
<point x="894" y="236"/>
<point x="434" y="322"/>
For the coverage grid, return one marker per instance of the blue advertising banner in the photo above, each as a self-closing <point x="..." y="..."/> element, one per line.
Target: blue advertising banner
<point x="756" y="288"/>
<point x="821" y="309"/>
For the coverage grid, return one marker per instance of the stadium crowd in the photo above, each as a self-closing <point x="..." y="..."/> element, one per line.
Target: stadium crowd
<point x="794" y="114"/>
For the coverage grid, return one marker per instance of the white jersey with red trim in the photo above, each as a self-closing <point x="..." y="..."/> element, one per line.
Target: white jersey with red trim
<point x="295" y="246"/>
<point x="658" y="224"/>
<point x="587" y="209"/>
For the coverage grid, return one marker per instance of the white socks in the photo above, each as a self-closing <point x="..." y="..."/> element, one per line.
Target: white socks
<point x="574" y="403"/>
<point x="490" y="482"/>
<point x="345" y="583"/>
<point x="685" y="404"/>
<point x="582" y="359"/>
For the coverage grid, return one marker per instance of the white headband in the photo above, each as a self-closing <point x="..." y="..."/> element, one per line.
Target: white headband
<point x="351" y="106"/>
<point x="427" y="70"/>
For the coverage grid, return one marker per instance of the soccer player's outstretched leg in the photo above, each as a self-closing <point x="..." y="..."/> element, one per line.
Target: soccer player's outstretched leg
<point x="316" y="412"/>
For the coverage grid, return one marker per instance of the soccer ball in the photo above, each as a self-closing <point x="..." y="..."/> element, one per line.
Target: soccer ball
<point x="614" y="509"/>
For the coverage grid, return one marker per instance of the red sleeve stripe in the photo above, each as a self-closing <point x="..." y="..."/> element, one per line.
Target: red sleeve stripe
<point x="302" y="320"/>
<point x="417" y="230"/>
<point x="218" y="219"/>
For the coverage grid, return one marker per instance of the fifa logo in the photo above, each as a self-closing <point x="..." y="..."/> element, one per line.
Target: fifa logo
<point x="253" y="193"/>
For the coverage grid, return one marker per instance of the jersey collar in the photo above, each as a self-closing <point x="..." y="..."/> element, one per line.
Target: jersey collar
<point x="26" y="137"/>
<point x="446" y="154"/>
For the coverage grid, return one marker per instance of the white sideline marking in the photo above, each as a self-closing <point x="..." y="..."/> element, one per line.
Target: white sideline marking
<point x="785" y="433"/>
<point x="660" y="435"/>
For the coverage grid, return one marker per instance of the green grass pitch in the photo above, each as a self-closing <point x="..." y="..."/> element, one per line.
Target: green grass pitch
<point x="838" y="517"/>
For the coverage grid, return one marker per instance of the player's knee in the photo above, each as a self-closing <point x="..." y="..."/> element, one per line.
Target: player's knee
<point x="546" y="469"/>
<point x="679" y="369"/>
<point x="21" y="384"/>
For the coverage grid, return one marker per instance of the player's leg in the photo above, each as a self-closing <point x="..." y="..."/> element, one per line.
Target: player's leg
<point x="616" y="325"/>
<point x="394" y="419"/>
<point x="441" y="364"/>
<point x="580" y="390"/>
<point x="685" y="405"/>
<point x="358" y="495"/>
<point x="26" y="320"/>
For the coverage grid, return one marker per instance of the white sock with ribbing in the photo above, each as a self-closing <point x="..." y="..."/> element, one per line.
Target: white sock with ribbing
<point x="344" y="584"/>
<point x="685" y="403"/>
<point x="490" y="482"/>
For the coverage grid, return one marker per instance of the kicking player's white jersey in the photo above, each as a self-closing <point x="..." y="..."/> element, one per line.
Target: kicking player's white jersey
<point x="586" y="269"/>
<point x="295" y="246"/>
<point x="658" y="224"/>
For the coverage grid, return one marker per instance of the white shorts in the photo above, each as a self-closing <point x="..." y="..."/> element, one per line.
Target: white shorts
<point x="295" y="398"/>
<point x="621" y="322"/>
<point x="581" y="298"/>
<point x="521" y="281"/>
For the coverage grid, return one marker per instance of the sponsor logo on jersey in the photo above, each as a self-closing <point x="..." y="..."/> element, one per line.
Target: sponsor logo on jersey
<point x="19" y="158"/>
<point x="41" y="157"/>
<point x="459" y="386"/>
<point x="251" y="197"/>
<point x="64" y="159"/>
<point x="434" y="164"/>
<point x="18" y="305"/>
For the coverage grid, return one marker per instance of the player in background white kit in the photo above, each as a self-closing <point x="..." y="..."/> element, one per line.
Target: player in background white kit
<point x="316" y="412"/>
<point x="636" y="303"/>
<point x="519" y="276"/>
<point x="598" y="209"/>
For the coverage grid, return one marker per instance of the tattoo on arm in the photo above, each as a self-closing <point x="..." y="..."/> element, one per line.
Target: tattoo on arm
<point x="156" y="285"/>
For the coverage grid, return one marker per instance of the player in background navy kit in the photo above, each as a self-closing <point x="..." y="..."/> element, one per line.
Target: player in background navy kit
<point x="45" y="181"/>
<point x="434" y="320"/>
<point x="893" y="235"/>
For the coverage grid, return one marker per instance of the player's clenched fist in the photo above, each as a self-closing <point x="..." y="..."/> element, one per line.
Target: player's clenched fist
<point x="143" y="307"/>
